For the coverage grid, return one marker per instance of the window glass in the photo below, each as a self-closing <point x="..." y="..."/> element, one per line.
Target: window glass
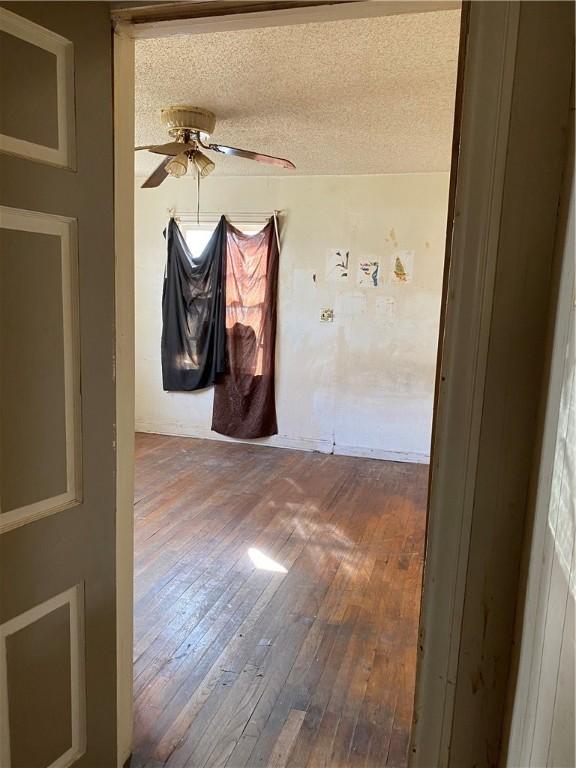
<point x="197" y="237"/>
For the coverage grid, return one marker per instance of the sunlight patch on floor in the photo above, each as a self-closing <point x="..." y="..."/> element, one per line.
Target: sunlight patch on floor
<point x="263" y="562"/>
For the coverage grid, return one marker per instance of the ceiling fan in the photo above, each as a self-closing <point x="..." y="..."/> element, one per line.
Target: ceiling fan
<point x="190" y="128"/>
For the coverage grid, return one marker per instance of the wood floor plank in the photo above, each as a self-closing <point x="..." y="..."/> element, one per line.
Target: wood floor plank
<point x="310" y="665"/>
<point x="286" y="739"/>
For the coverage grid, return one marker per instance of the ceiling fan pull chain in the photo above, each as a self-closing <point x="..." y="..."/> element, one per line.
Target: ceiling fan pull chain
<point x="197" y="196"/>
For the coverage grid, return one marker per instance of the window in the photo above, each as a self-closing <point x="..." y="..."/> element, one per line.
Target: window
<point x="198" y="235"/>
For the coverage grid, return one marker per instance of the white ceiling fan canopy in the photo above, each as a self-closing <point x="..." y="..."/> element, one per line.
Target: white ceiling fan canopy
<point x="184" y="117"/>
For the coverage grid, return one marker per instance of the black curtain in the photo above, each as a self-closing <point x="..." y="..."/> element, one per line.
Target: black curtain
<point x="193" y="312"/>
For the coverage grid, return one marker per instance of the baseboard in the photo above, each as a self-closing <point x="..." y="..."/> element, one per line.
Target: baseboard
<point x="381" y="454"/>
<point x="204" y="433"/>
<point x="283" y="441"/>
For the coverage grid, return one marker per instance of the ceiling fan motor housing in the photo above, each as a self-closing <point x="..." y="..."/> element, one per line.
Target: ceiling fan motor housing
<point x="186" y="118"/>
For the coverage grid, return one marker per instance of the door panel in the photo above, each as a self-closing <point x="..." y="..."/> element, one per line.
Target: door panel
<point x="39" y="438"/>
<point x="18" y="119"/>
<point x="57" y="478"/>
<point x="37" y="71"/>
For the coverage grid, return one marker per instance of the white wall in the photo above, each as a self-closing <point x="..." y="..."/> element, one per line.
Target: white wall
<point x="543" y="711"/>
<point x="360" y="385"/>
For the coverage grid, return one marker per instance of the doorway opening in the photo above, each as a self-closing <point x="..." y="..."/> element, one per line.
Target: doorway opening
<point x="277" y="581"/>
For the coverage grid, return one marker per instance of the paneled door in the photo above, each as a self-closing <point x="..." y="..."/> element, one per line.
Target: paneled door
<point x="57" y="481"/>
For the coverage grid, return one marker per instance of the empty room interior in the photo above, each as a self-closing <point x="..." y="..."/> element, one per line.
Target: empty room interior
<point x="290" y="226"/>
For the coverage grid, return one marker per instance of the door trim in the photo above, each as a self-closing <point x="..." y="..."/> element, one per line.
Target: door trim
<point x="125" y="377"/>
<point x="489" y="380"/>
<point x="478" y="193"/>
<point x="66" y="230"/>
<point x="338" y="11"/>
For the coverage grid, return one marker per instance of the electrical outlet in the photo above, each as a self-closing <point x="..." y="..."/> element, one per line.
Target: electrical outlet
<point x="326" y="315"/>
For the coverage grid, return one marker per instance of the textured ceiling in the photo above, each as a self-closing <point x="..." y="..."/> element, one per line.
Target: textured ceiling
<point x="364" y="96"/>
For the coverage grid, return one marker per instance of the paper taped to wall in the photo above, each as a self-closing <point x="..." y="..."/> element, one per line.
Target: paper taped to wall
<point x="368" y="273"/>
<point x="401" y="266"/>
<point x="337" y="265"/>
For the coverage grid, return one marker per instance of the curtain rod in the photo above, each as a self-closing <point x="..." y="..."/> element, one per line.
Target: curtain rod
<point x="230" y="214"/>
<point x="243" y="217"/>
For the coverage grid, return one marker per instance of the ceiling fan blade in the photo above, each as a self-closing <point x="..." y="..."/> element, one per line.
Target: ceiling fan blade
<point x="258" y="156"/>
<point x="146" y="146"/>
<point x="172" y="148"/>
<point x="157" y="177"/>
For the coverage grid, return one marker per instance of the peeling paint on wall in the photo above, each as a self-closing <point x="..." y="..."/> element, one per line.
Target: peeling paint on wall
<point x="392" y="237"/>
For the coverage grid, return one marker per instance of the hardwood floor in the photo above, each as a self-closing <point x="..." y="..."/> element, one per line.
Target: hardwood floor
<point x="311" y="664"/>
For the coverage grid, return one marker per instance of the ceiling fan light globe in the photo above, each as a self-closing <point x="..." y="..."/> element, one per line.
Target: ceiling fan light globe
<point x="203" y="164"/>
<point x="178" y="166"/>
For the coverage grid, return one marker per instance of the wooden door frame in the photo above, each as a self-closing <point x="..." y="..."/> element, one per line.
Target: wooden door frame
<point x="488" y="73"/>
<point x="475" y="204"/>
<point x="515" y="94"/>
<point x="124" y="88"/>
